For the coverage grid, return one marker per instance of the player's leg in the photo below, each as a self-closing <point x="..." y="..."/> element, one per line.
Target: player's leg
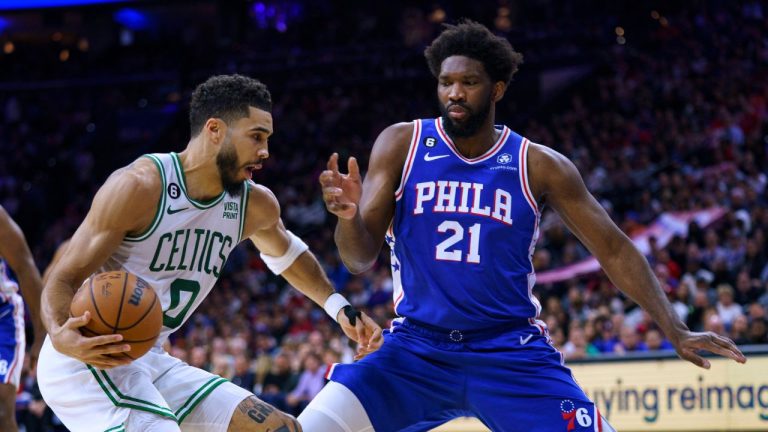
<point x="143" y="421"/>
<point x="12" y="343"/>
<point x="222" y="407"/>
<point x="86" y="398"/>
<point x="519" y="379"/>
<point x="335" y="409"/>
<point x="253" y="414"/>
<point x="8" y="408"/>
<point x="204" y="402"/>
<point x="410" y="384"/>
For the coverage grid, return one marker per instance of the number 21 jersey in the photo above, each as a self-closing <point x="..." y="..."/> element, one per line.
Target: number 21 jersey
<point x="463" y="232"/>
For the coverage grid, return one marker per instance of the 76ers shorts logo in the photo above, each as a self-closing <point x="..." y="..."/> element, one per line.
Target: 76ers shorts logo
<point x="573" y="415"/>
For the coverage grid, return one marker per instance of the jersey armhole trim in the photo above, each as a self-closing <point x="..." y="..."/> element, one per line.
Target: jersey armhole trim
<point x="409" y="160"/>
<point x="524" y="183"/>
<point x="160" y="204"/>
<point x="243" y="209"/>
<point x="202" y="205"/>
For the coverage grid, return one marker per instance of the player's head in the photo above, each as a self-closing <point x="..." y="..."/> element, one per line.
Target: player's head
<point x="233" y="112"/>
<point x="473" y="68"/>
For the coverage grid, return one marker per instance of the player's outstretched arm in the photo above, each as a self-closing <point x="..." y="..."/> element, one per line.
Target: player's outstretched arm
<point x="14" y="248"/>
<point x="365" y="208"/>
<point x="287" y="255"/>
<point x="556" y="180"/>
<point x="125" y="204"/>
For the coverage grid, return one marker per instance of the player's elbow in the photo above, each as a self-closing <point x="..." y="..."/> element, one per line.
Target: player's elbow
<point x="357" y="266"/>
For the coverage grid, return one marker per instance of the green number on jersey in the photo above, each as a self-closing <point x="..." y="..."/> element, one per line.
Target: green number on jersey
<point x="177" y="287"/>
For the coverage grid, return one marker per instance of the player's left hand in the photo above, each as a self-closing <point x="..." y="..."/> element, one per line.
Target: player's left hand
<point x="362" y="329"/>
<point x="688" y="343"/>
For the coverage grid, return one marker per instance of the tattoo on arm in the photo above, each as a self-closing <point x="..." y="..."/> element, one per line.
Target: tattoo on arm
<point x="259" y="412"/>
<point x="285" y="428"/>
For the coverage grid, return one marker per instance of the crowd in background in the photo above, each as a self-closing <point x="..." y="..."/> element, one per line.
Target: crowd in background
<point x="672" y="116"/>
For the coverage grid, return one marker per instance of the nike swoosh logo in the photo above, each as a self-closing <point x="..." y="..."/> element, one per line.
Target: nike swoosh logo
<point x="172" y="211"/>
<point x="429" y="158"/>
<point x="525" y="341"/>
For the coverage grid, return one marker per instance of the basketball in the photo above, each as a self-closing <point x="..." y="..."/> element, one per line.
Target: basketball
<point x="120" y="303"/>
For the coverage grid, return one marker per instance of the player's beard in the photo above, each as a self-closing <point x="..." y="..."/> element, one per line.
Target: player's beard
<point x="470" y="125"/>
<point x="227" y="163"/>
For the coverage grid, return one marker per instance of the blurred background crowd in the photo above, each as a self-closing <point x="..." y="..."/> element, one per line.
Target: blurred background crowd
<point x="663" y="106"/>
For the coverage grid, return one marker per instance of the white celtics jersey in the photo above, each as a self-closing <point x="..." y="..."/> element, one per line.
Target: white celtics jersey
<point x="183" y="251"/>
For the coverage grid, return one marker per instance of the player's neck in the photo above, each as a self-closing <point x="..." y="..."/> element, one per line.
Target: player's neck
<point x="202" y="177"/>
<point x="479" y="143"/>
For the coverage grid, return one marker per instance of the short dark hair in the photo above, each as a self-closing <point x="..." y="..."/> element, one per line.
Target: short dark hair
<point x="226" y="97"/>
<point x="474" y="40"/>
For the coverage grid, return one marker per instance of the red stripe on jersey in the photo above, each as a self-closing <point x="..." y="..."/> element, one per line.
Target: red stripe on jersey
<point x="411" y="154"/>
<point x="329" y="370"/>
<point x="523" y="161"/>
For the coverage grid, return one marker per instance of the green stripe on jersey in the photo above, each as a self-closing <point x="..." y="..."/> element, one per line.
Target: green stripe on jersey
<point x="243" y="209"/>
<point x="183" y="180"/>
<point x="198" y="397"/>
<point x="160" y="204"/>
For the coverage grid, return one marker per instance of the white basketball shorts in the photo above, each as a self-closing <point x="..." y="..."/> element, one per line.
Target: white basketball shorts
<point x="89" y="399"/>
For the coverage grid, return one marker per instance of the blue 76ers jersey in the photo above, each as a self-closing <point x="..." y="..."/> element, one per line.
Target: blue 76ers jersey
<point x="463" y="233"/>
<point x="8" y="286"/>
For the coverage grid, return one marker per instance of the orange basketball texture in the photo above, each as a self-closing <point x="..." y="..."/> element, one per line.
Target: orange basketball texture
<point x="120" y="302"/>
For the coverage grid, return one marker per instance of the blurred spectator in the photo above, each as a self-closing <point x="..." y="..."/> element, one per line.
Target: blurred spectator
<point x="244" y="376"/>
<point x="740" y="330"/>
<point x="629" y="341"/>
<point x="311" y="381"/>
<point x="758" y="331"/>
<point x="726" y="308"/>
<point x="199" y="358"/>
<point x="654" y="341"/>
<point x="278" y="382"/>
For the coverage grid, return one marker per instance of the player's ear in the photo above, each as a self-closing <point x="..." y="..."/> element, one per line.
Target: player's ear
<point x="215" y="129"/>
<point x="498" y="90"/>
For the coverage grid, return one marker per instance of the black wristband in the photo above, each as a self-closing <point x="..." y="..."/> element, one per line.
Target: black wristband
<point x="351" y="313"/>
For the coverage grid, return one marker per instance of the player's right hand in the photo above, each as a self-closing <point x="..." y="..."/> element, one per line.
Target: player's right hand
<point x="362" y="329"/>
<point x="341" y="192"/>
<point x="99" y="351"/>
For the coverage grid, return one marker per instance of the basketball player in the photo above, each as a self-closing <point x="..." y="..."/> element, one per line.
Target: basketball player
<point x="15" y="253"/>
<point x="173" y="219"/>
<point x="458" y="200"/>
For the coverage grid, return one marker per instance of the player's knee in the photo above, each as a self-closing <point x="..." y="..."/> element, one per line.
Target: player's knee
<point x="254" y="414"/>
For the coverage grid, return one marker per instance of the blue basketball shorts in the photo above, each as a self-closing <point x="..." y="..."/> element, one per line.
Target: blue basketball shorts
<point x="12" y="340"/>
<point x="511" y="379"/>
